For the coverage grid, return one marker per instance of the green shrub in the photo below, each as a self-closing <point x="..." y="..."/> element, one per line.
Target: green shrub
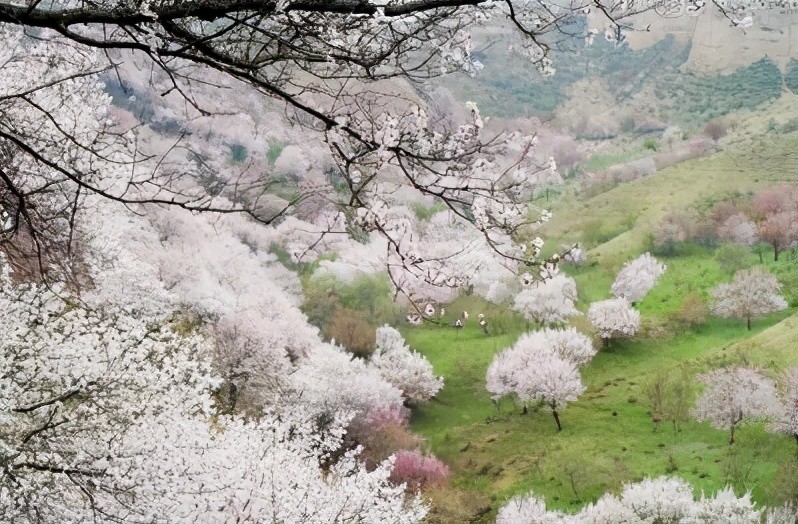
<point x="733" y="257"/>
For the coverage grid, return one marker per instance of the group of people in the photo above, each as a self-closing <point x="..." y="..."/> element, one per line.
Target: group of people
<point x="416" y="319"/>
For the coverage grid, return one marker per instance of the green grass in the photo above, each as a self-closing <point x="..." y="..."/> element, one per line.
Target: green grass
<point x="608" y="438"/>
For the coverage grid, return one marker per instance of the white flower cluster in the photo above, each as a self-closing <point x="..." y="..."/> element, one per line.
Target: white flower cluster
<point x="662" y="499"/>
<point x="406" y="369"/>
<point x="542" y="367"/>
<point x="637" y="278"/>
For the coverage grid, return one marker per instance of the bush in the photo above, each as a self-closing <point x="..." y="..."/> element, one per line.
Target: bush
<point x="733" y="257"/>
<point x="419" y="471"/>
<point x="694" y="311"/>
<point x="785" y="484"/>
<point x="382" y="434"/>
<point x="716" y="129"/>
<point x="372" y="295"/>
<point x="670" y="396"/>
<point x="651" y="144"/>
<point x="350" y="329"/>
<point x="321" y="300"/>
<point x="672" y="230"/>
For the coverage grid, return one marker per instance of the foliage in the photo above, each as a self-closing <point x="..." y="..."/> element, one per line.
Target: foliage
<point x="733" y="257"/>
<point x="350" y="329"/>
<point x="670" y="397"/>
<point x="238" y="153"/>
<point x="273" y="153"/>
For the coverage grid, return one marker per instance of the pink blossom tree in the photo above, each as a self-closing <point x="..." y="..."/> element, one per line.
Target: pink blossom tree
<point x="418" y="471"/>
<point x="779" y="230"/>
<point x="739" y="229"/>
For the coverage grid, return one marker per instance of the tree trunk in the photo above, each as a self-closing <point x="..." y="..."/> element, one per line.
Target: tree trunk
<point x="775" y="253"/>
<point x="761" y="260"/>
<point x="748" y="322"/>
<point x="525" y="411"/>
<point x="556" y="419"/>
<point x="731" y="435"/>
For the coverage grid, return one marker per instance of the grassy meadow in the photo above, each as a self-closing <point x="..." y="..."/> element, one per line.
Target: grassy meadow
<point x="608" y="437"/>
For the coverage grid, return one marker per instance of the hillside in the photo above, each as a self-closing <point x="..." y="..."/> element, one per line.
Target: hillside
<point x="628" y="213"/>
<point x="608" y="439"/>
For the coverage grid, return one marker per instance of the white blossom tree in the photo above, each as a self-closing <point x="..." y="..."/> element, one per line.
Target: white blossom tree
<point x="106" y="417"/>
<point x="276" y="469"/>
<point x="663" y="499"/>
<point x="725" y="506"/>
<point x="534" y="372"/>
<point x="570" y="344"/>
<point x="658" y="500"/>
<point x="406" y="369"/>
<point x="637" y="278"/>
<point x="548" y="302"/>
<point x="330" y="380"/>
<point x="614" y="318"/>
<point x="527" y="509"/>
<point x="788" y="422"/>
<point x="734" y="395"/>
<point x="752" y="293"/>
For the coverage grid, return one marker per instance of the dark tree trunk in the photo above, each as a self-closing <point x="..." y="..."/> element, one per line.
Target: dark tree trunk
<point x="557" y="419"/>
<point x="775" y="253"/>
<point x="731" y="435"/>
<point x="525" y="411"/>
<point x="748" y="322"/>
<point x="232" y="396"/>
